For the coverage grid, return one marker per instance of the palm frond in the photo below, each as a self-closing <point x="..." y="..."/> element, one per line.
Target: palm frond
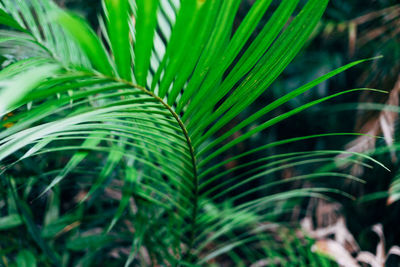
<point x="150" y="96"/>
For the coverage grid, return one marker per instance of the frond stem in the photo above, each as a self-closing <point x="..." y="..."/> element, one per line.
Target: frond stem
<point x="192" y="156"/>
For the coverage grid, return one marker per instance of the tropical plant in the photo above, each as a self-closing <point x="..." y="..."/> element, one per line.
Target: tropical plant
<point x="351" y="29"/>
<point x="143" y="112"/>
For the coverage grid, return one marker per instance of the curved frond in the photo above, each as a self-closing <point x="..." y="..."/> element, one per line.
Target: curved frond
<point x="145" y="107"/>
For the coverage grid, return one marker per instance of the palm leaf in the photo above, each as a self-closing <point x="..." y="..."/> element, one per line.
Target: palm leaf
<point x="152" y="97"/>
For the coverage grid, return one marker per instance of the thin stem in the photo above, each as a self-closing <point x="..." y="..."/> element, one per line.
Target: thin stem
<point x="193" y="218"/>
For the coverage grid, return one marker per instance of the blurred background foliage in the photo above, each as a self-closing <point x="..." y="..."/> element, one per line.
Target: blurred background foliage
<point x="349" y="30"/>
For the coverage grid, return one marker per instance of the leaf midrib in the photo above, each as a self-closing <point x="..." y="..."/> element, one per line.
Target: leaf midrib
<point x="191" y="152"/>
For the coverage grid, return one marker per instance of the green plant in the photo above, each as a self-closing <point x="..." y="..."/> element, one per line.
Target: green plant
<point x="348" y="30"/>
<point x="146" y="109"/>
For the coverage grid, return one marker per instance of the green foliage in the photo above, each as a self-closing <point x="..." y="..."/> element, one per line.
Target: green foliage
<point x="129" y="123"/>
<point x="348" y="30"/>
